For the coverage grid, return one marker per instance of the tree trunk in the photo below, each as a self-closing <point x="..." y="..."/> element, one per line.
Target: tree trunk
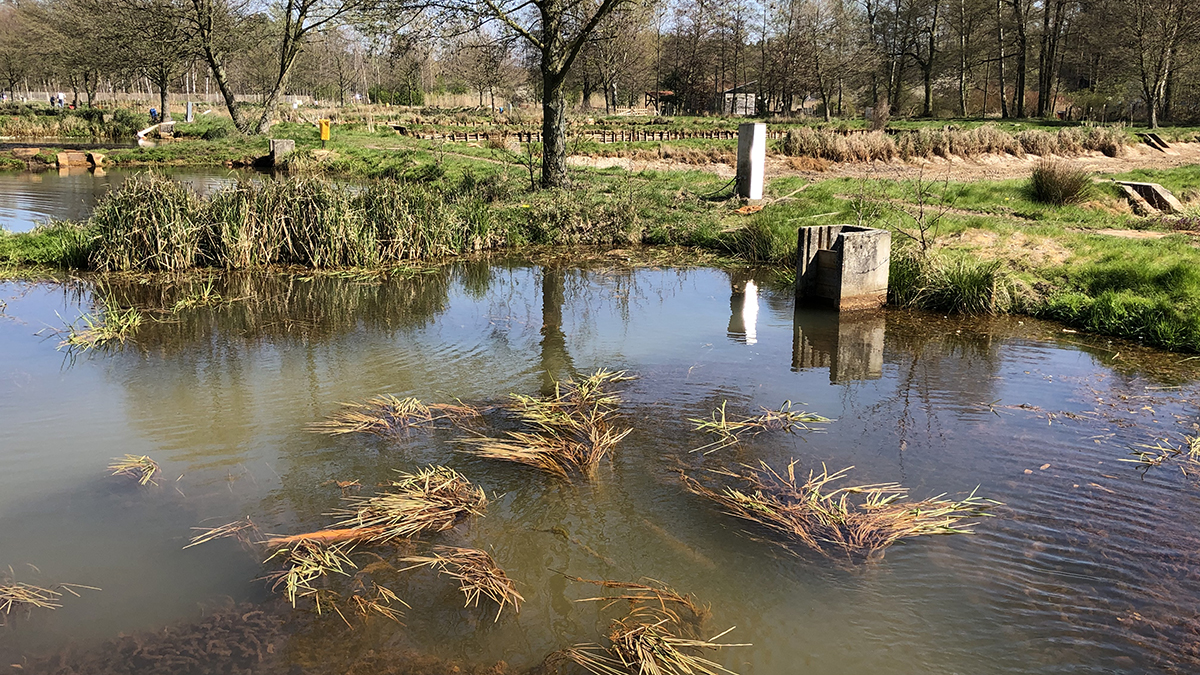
<point x="1000" y="60"/>
<point x="554" y="130"/>
<point x="1022" y="58"/>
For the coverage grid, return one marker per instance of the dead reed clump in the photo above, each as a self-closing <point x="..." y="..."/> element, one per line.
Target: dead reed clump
<point x="570" y="431"/>
<point x="306" y="561"/>
<point x="239" y="529"/>
<point x="477" y="573"/>
<point x="730" y="431"/>
<point x="858" y="520"/>
<point x="386" y="414"/>
<point x="18" y="596"/>
<point x="659" y="635"/>
<point x="431" y="500"/>
<point x="141" y="468"/>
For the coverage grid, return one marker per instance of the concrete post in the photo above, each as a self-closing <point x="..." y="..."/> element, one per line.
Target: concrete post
<point x="751" y="160"/>
<point x="191" y="117"/>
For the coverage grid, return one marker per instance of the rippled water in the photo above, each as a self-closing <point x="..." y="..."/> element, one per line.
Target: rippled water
<point x="1089" y="567"/>
<point x="28" y="199"/>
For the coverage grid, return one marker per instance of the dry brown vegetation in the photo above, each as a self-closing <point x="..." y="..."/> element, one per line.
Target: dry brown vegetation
<point x="950" y="142"/>
<point x="569" y="432"/>
<point x="18" y="596"/>
<point x="139" y="467"/>
<point x="386" y="414"/>
<point x="659" y="635"/>
<point x="853" y="521"/>
<point x="477" y="574"/>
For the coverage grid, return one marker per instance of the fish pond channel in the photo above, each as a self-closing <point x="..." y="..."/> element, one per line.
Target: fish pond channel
<point x="1088" y="566"/>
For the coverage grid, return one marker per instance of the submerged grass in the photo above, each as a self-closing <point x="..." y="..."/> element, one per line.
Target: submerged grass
<point x="660" y="634"/>
<point x="113" y="325"/>
<point x="731" y="431"/>
<point x="477" y="573"/>
<point x="570" y="430"/>
<point x="428" y="501"/>
<point x="1186" y="456"/>
<point x="387" y="414"/>
<point x="854" y="521"/>
<point x="139" y="467"/>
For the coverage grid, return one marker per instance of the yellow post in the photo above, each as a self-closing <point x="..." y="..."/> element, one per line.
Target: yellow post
<point x="324" y="124"/>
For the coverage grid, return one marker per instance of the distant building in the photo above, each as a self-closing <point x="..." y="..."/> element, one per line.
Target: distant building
<point x="740" y="100"/>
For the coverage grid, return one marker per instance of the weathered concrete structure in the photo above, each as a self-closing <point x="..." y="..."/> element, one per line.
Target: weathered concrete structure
<point x="281" y="148"/>
<point x="71" y="158"/>
<point x="1153" y="194"/>
<point x="849" y="345"/>
<point x="751" y="160"/>
<point x="843" y="266"/>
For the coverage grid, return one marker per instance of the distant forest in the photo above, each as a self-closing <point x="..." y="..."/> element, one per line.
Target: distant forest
<point x="1103" y="60"/>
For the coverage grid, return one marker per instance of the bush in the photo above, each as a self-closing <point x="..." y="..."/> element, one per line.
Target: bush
<point x="948" y="284"/>
<point x="1059" y="183"/>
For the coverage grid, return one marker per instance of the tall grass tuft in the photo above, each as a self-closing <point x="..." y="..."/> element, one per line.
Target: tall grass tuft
<point x="151" y="223"/>
<point x="1057" y="182"/>
<point x="949" y="284"/>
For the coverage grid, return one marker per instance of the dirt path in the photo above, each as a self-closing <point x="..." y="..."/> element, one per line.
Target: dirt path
<point x="989" y="167"/>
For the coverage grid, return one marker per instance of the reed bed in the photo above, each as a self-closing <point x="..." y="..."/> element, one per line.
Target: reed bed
<point x="659" y="635"/>
<point x="949" y="142"/>
<point x="570" y="432"/>
<point x="732" y="431"/>
<point x="139" y="467"/>
<point x="477" y="573"/>
<point x="153" y="223"/>
<point x="386" y="415"/>
<point x="857" y="520"/>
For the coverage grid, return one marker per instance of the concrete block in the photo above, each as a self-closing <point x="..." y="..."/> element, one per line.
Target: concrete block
<point x="280" y="149"/>
<point x="95" y="158"/>
<point x="69" y="159"/>
<point x="26" y="153"/>
<point x="751" y="160"/>
<point x="1155" y="195"/>
<point x="843" y="266"/>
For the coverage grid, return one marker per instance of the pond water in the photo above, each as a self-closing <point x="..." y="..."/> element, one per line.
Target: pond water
<point x="1088" y="567"/>
<point x="28" y="199"/>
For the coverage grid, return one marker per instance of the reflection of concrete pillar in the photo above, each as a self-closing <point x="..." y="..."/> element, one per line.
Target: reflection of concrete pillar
<point x="751" y="160"/>
<point x="849" y="344"/>
<point x="743" y="313"/>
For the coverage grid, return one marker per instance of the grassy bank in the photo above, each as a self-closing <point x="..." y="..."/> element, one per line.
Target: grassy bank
<point x="989" y="246"/>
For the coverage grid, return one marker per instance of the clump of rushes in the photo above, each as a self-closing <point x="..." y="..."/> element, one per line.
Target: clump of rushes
<point x="1058" y="183"/>
<point x="386" y="414"/>
<point x="241" y="529"/>
<point x="139" y="467"/>
<point x="569" y="431"/>
<point x="114" y="325"/>
<point x="659" y="635"/>
<point x="477" y="573"/>
<point x="731" y="431"/>
<point x="859" y="520"/>
<point x="432" y="500"/>
<point x="304" y="562"/>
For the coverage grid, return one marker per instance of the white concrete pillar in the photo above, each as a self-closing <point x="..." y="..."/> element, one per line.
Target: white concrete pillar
<point x="751" y="160"/>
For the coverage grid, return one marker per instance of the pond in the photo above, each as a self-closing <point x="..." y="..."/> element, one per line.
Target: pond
<point x="1089" y="566"/>
<point x="28" y="199"/>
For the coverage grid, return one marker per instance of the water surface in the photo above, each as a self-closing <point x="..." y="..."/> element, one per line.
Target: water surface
<point x="1089" y="567"/>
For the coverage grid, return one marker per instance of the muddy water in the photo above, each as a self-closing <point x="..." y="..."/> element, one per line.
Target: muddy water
<point x="28" y="199"/>
<point x="1090" y="567"/>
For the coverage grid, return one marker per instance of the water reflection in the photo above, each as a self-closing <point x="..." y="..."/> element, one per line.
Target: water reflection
<point x="1087" y="564"/>
<point x="743" y="309"/>
<point x="849" y="344"/>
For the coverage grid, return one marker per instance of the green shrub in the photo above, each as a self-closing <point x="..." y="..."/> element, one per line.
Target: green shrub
<point x="948" y="284"/>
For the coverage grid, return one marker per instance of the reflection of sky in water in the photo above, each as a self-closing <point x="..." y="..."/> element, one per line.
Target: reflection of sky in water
<point x="29" y="199"/>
